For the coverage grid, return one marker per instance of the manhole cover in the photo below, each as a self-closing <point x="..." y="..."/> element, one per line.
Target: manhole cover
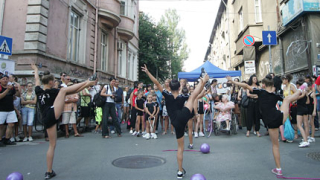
<point x="138" y="162"/>
<point x="314" y="155"/>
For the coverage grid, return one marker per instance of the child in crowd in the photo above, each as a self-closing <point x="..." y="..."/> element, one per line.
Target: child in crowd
<point x="98" y="119"/>
<point x="272" y="117"/>
<point x="302" y="115"/>
<point x="191" y="122"/>
<point x="140" y="110"/>
<point x="199" y="107"/>
<point x="312" y="110"/>
<point x="157" y="105"/>
<point x="150" y="112"/>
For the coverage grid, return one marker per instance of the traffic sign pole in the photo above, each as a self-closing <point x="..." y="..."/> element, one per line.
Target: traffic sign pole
<point x="270" y="55"/>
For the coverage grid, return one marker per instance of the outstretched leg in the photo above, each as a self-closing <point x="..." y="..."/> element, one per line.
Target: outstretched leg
<point x="59" y="101"/>
<point x="195" y="94"/>
<point x="286" y="102"/>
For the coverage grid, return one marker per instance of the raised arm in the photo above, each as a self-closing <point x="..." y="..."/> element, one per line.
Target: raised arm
<point x="315" y="104"/>
<point x="154" y="111"/>
<point x="246" y="86"/>
<point x="36" y="74"/>
<point x="152" y="78"/>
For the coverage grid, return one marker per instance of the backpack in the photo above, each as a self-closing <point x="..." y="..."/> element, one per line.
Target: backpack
<point x="99" y="100"/>
<point x="129" y="94"/>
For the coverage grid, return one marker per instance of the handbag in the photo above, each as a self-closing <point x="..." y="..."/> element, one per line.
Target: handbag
<point x="288" y="130"/>
<point x="244" y="101"/>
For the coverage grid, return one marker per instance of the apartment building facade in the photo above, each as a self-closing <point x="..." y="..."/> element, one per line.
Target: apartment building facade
<point x="238" y="18"/>
<point x="78" y="37"/>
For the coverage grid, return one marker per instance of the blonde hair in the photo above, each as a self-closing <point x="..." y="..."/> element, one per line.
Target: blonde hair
<point x="225" y="96"/>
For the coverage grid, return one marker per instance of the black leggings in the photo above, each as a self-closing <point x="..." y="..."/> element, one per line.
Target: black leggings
<point x="133" y="117"/>
<point x="109" y="109"/>
<point x="253" y="115"/>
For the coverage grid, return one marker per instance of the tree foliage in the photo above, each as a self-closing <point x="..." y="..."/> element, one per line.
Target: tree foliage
<point x="154" y="51"/>
<point x="177" y="40"/>
<point x="162" y="46"/>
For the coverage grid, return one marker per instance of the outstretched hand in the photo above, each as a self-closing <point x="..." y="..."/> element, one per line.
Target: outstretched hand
<point x="205" y="78"/>
<point x="34" y="67"/>
<point x="145" y="69"/>
<point x="229" y="78"/>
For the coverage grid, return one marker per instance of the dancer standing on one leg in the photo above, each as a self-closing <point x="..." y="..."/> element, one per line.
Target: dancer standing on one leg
<point x="52" y="104"/>
<point x="178" y="112"/>
<point x="272" y="117"/>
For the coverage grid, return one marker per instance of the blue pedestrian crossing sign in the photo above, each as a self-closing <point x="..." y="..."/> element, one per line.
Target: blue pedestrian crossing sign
<point x="269" y="38"/>
<point x="5" y="45"/>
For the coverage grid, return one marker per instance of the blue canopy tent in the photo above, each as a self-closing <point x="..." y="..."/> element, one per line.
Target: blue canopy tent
<point x="212" y="70"/>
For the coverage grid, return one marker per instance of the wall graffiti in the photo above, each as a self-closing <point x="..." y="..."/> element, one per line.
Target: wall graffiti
<point x="295" y="46"/>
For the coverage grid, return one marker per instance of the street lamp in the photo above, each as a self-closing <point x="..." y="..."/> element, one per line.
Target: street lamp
<point x="227" y="11"/>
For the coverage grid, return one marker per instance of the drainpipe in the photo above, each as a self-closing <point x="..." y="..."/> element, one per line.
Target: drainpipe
<point x="2" y="15"/>
<point x="96" y="39"/>
<point x="281" y="55"/>
<point x="127" y="60"/>
<point x="115" y="52"/>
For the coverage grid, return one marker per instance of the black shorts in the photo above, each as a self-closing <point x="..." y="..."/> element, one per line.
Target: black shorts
<point x="147" y="117"/>
<point x="293" y="114"/>
<point x="49" y="119"/>
<point x="310" y="109"/>
<point x="139" y="113"/>
<point x="180" y="121"/>
<point x="84" y="112"/>
<point x="276" y="122"/>
<point x="301" y="111"/>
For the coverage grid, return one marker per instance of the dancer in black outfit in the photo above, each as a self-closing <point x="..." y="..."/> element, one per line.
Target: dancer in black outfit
<point x="272" y="117"/>
<point x="178" y="111"/>
<point x="52" y="104"/>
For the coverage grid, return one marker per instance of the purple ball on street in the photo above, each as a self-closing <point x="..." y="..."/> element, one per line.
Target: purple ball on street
<point x="205" y="148"/>
<point x="15" y="176"/>
<point x="198" y="177"/>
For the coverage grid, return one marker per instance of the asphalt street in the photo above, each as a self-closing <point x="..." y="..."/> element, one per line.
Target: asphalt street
<point x="234" y="157"/>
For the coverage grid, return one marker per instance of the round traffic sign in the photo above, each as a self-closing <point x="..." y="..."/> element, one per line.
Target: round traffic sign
<point x="248" y="40"/>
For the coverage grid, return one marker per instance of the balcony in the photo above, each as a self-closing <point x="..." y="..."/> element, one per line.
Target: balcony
<point x="109" y="12"/>
<point x="125" y="28"/>
<point x="253" y="30"/>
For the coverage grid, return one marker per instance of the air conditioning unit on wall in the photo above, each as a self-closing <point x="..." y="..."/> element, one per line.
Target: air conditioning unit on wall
<point x="120" y="46"/>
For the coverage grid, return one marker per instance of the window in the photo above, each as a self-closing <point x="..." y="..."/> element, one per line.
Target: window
<point x="74" y="31"/>
<point x="104" y="52"/>
<point x="134" y="68"/>
<point x="257" y="10"/>
<point x="130" y="65"/>
<point x="119" y="62"/>
<point x="240" y="20"/>
<point x="123" y="8"/>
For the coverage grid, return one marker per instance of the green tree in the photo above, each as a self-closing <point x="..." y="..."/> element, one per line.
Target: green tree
<point x="177" y="41"/>
<point x="154" y="51"/>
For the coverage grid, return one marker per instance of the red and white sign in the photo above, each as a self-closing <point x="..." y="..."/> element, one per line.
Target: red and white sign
<point x="248" y="40"/>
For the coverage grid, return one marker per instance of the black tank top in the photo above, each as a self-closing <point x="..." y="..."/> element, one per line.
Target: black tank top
<point x="311" y="98"/>
<point x="302" y="102"/>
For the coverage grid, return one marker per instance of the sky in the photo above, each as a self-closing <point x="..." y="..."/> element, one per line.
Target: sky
<point x="196" y="18"/>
